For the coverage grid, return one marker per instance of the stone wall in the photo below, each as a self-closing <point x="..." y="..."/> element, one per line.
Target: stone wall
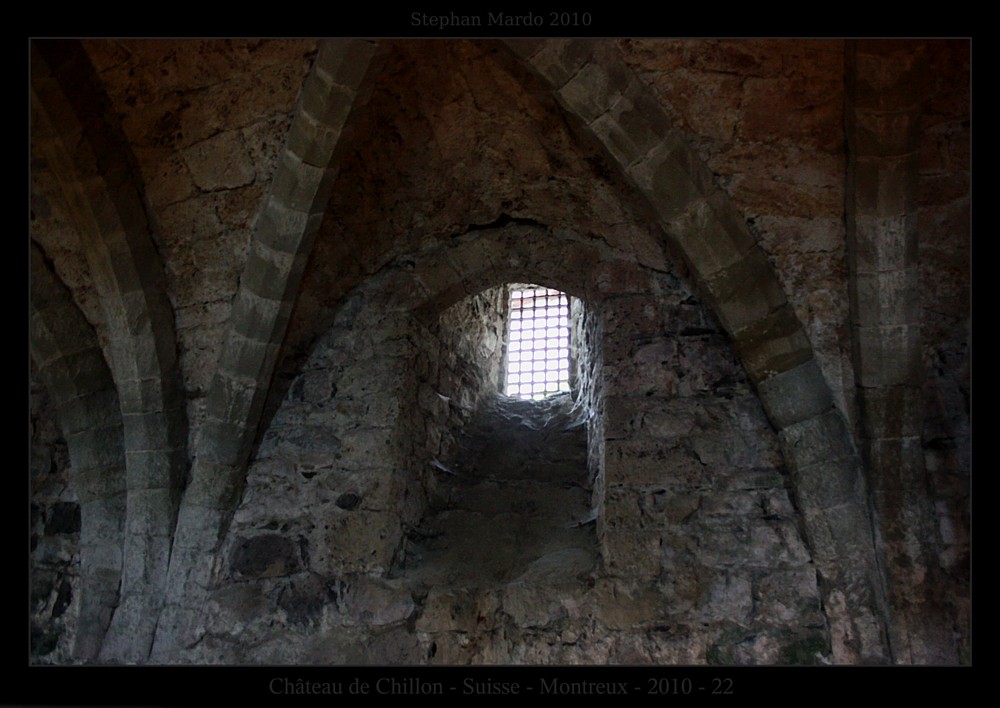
<point x="469" y="352"/>
<point x="696" y="527"/>
<point x="587" y="340"/>
<point x="696" y="501"/>
<point x="55" y="536"/>
<point x="767" y="117"/>
<point x="945" y="268"/>
<point x="329" y="493"/>
<point x="207" y="122"/>
<point x="341" y="479"/>
<point x="693" y="192"/>
<point x="459" y="357"/>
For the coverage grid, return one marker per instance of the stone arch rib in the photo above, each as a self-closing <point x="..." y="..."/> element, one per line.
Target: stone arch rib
<point x="65" y="349"/>
<point x="885" y="96"/>
<point x="82" y="140"/>
<point x="282" y="241"/>
<point x="600" y="94"/>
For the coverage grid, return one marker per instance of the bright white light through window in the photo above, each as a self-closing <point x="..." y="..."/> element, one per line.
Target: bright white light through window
<point x="537" y="343"/>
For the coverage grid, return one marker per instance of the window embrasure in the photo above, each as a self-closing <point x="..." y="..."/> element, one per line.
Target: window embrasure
<point x="538" y="342"/>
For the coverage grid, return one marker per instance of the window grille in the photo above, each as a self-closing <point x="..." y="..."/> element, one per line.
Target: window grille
<point x="537" y="342"/>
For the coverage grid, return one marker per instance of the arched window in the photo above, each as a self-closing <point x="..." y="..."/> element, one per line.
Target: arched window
<point x="538" y="342"/>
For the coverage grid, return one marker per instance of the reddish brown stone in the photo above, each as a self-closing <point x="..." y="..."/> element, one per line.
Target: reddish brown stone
<point x="888" y="75"/>
<point x="884" y="134"/>
<point x="781" y="198"/>
<point x="741" y="57"/>
<point x="798" y="108"/>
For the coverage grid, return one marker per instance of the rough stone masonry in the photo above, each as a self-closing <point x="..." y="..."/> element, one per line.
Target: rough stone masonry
<point x="269" y="319"/>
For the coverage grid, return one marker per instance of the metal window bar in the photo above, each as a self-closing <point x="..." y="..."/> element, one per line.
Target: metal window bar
<point x="537" y="343"/>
